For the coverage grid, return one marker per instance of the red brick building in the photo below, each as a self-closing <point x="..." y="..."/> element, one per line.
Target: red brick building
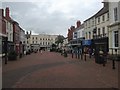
<point x="70" y="33"/>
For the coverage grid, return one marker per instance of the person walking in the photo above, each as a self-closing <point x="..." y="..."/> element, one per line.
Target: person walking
<point x="41" y="51"/>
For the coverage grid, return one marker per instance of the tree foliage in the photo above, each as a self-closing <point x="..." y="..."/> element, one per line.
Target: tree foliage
<point x="59" y="39"/>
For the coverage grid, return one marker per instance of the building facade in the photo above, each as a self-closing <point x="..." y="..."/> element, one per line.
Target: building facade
<point x="42" y="41"/>
<point x="78" y="37"/>
<point x="114" y="27"/>
<point x="3" y="36"/>
<point x="96" y="29"/>
<point x="100" y="33"/>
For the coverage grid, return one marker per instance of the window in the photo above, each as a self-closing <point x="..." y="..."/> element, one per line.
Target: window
<point x="43" y="43"/>
<point x="40" y="39"/>
<point x="33" y="42"/>
<point x="92" y="22"/>
<point x="115" y="14"/>
<point x="116" y="38"/>
<point x="75" y="34"/>
<point x="36" y="38"/>
<point x="107" y="16"/>
<point x="98" y="31"/>
<point x="36" y="42"/>
<point x="103" y="31"/>
<point x="43" y="38"/>
<point x="89" y="35"/>
<point x="103" y="18"/>
<point x="98" y="20"/>
<point x="46" y="43"/>
<point x="86" y="36"/>
<point x="33" y="37"/>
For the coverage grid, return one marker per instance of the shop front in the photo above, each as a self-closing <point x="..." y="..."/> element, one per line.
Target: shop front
<point x="101" y="49"/>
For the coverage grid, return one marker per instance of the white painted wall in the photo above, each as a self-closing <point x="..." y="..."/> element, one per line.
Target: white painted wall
<point x="9" y="30"/>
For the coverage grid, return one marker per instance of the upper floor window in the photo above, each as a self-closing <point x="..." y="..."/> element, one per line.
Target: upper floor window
<point x="89" y="35"/>
<point x="107" y="16"/>
<point x="33" y="37"/>
<point x="115" y="14"/>
<point x="103" y="18"/>
<point x="98" y="20"/>
<point x="92" y="22"/>
<point x="36" y="38"/>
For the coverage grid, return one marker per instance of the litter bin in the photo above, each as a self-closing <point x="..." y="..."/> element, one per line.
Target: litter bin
<point x="65" y="54"/>
<point x="99" y="58"/>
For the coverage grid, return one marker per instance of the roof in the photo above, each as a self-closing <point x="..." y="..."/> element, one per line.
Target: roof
<point x="81" y="27"/>
<point x="105" y="9"/>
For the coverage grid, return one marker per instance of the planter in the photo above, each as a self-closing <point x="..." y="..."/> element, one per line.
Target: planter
<point x="12" y="55"/>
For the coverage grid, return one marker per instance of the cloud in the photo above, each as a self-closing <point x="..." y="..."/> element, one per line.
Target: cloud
<point x="52" y="16"/>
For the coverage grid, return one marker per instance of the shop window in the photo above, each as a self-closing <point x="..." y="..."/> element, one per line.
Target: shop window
<point x="116" y="38"/>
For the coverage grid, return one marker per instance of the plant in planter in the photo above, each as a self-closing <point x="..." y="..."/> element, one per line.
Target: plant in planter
<point x="118" y="58"/>
<point x="12" y="55"/>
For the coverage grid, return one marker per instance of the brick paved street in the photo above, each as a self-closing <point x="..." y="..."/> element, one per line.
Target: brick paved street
<point x="51" y="70"/>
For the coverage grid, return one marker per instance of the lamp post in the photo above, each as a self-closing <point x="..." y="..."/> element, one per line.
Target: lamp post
<point x="6" y="49"/>
<point x="114" y="59"/>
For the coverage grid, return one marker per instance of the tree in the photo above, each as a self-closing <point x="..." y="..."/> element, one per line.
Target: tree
<point x="59" y="39"/>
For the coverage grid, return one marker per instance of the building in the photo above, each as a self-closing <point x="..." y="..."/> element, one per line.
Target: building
<point x="96" y="29"/>
<point x="78" y="37"/>
<point x="27" y="41"/>
<point x="114" y="27"/>
<point x="14" y="33"/>
<point x="22" y="41"/>
<point x="9" y="30"/>
<point x="100" y="33"/>
<point x="70" y="33"/>
<point x="42" y="41"/>
<point x="3" y="36"/>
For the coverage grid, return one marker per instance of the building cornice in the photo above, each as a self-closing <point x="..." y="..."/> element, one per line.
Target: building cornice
<point x="114" y="24"/>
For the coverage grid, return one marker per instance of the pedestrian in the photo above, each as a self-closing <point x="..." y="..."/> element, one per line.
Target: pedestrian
<point x="90" y="52"/>
<point x="41" y="51"/>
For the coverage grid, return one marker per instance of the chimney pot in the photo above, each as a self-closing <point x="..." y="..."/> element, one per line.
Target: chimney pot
<point x="78" y="24"/>
<point x="7" y="12"/>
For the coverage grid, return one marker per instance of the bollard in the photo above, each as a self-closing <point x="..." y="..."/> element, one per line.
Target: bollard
<point x="113" y="64"/>
<point x="72" y="55"/>
<point x="81" y="56"/>
<point x="85" y="56"/>
<point x="78" y="56"/>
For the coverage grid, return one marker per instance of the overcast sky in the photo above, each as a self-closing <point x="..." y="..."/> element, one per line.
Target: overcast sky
<point x="51" y="16"/>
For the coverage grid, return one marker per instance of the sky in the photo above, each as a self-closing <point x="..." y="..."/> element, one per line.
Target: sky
<point x="51" y="16"/>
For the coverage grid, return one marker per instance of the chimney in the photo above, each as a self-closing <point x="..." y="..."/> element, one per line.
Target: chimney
<point x="72" y="27"/>
<point x="78" y="24"/>
<point x="7" y="12"/>
<point x="30" y="33"/>
<point x="1" y="12"/>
